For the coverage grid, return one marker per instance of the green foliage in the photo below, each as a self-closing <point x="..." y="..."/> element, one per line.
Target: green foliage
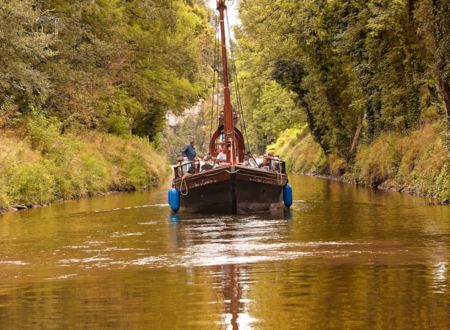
<point x="374" y="64"/>
<point x="269" y="111"/>
<point x="301" y="153"/>
<point x="33" y="183"/>
<point x="25" y="46"/>
<point x="417" y="162"/>
<point x="43" y="132"/>
<point x="379" y="161"/>
<point x="46" y="166"/>
<point x="115" y="66"/>
<point x="122" y="111"/>
<point x="71" y="67"/>
<point x="136" y="171"/>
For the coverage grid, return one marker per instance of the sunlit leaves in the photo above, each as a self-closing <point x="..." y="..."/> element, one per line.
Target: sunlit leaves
<point x="374" y="64"/>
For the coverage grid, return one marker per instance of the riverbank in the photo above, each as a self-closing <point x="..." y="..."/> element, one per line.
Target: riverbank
<point x="39" y="165"/>
<point x="416" y="163"/>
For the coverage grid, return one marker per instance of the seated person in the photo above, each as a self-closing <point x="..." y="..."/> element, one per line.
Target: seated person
<point x="221" y="156"/>
<point x="246" y="160"/>
<point x="214" y="162"/>
<point x="252" y="162"/>
<point x="265" y="163"/>
<point x="258" y="160"/>
<point x="249" y="160"/>
<point x="207" y="164"/>
<point x="206" y="167"/>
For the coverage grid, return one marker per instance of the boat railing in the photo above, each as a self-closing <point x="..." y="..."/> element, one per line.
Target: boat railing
<point x="181" y="169"/>
<point x="274" y="164"/>
<point x="277" y="165"/>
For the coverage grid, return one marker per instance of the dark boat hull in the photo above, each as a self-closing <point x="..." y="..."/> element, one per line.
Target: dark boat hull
<point x="232" y="189"/>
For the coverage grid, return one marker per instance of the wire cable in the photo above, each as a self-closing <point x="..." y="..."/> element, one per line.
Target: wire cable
<point x="214" y="77"/>
<point x="236" y="83"/>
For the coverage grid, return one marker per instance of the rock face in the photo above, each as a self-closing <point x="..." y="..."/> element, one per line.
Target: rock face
<point x="174" y="121"/>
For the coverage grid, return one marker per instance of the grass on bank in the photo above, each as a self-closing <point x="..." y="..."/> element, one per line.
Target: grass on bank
<point x="417" y="162"/>
<point x="41" y="165"/>
<point x="302" y="154"/>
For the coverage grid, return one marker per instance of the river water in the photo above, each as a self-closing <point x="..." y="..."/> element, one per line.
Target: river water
<point x="345" y="257"/>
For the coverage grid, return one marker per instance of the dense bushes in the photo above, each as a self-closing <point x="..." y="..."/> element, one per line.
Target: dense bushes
<point x="43" y="165"/>
<point x="298" y="149"/>
<point x="417" y="162"/>
<point x="74" y="71"/>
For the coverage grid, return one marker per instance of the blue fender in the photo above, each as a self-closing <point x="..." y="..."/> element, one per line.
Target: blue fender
<point x="173" y="197"/>
<point x="287" y="195"/>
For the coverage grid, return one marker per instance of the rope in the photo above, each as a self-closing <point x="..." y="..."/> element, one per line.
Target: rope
<point x="214" y="78"/>
<point x="236" y="83"/>
<point x="219" y="66"/>
<point x="183" y="180"/>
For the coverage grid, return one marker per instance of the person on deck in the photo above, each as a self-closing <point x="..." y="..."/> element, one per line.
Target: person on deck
<point x="206" y="163"/>
<point x="221" y="156"/>
<point x="250" y="160"/>
<point x="189" y="151"/>
<point x="265" y="164"/>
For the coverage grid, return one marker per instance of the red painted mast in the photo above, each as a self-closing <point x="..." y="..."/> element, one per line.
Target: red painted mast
<point x="227" y="108"/>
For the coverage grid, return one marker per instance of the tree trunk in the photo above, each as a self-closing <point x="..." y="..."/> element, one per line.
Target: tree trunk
<point x="358" y="133"/>
<point x="356" y="138"/>
<point x="444" y="88"/>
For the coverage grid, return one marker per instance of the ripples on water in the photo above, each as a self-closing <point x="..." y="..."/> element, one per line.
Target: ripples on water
<point x="344" y="257"/>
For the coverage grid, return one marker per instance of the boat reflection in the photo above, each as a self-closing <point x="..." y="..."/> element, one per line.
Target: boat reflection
<point x="227" y="245"/>
<point x="236" y="314"/>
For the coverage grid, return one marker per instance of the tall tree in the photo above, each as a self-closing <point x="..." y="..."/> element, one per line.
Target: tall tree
<point x="24" y="47"/>
<point x="357" y="67"/>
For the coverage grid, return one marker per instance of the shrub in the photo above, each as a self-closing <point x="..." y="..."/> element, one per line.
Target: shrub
<point x="416" y="162"/>
<point x="379" y="161"/>
<point x="31" y="183"/>
<point x="43" y="132"/>
<point x="46" y="165"/>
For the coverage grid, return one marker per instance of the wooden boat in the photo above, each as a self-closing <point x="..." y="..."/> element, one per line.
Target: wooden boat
<point x="232" y="186"/>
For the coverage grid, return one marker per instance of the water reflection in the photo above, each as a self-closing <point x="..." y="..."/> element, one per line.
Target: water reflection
<point x="440" y="277"/>
<point x="345" y="257"/>
<point x="236" y="314"/>
<point x="229" y="247"/>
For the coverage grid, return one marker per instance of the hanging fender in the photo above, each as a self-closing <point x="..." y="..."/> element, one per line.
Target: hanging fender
<point x="287" y="195"/>
<point x="173" y="197"/>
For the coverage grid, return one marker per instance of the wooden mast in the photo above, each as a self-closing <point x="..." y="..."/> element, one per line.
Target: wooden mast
<point x="227" y="108"/>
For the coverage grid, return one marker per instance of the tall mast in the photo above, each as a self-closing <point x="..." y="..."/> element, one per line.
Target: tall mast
<point x="227" y="108"/>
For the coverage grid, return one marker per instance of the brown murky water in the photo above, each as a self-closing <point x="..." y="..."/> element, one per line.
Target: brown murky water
<point x="345" y="257"/>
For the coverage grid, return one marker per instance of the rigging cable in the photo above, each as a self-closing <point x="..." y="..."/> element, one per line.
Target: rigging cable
<point x="219" y="63"/>
<point x="214" y="77"/>
<point x="236" y="84"/>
